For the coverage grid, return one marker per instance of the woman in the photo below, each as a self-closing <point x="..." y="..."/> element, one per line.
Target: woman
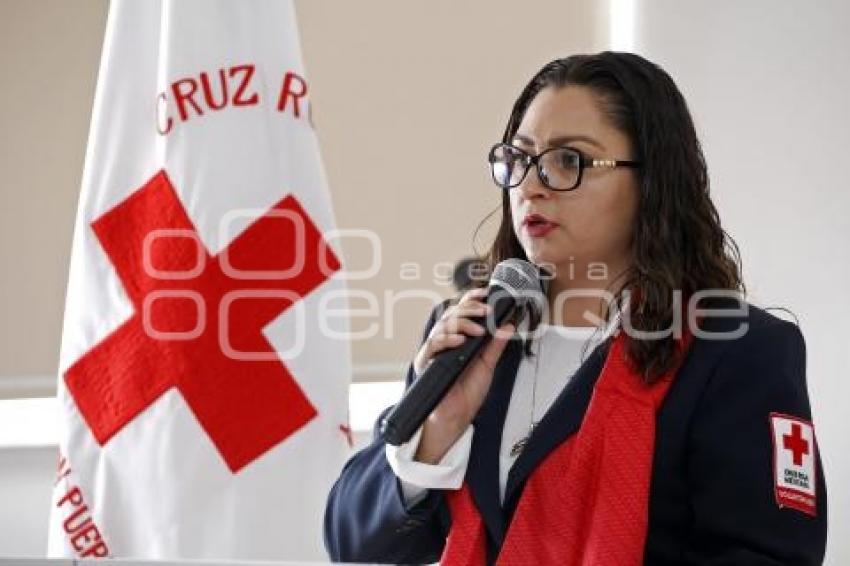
<point x="661" y="447"/>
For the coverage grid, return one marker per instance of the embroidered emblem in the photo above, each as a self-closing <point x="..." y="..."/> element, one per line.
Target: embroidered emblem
<point x="794" y="462"/>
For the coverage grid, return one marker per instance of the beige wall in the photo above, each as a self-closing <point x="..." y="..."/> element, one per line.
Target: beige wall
<point x="396" y="87"/>
<point x="49" y="52"/>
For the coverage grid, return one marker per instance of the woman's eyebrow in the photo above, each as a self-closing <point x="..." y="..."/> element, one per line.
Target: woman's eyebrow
<point x="560" y="140"/>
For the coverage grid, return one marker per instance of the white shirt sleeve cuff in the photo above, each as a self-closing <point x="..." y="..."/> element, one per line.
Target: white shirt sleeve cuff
<point x="417" y="477"/>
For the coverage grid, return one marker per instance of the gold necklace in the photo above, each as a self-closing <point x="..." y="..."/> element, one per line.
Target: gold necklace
<point x="520" y="445"/>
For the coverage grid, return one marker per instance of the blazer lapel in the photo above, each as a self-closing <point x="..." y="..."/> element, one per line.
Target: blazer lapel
<point x="561" y="420"/>
<point x="482" y="473"/>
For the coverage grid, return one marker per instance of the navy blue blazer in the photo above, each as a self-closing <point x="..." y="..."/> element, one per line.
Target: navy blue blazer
<point x="712" y="498"/>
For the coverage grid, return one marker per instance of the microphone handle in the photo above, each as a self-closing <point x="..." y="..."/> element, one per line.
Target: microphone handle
<point x="428" y="390"/>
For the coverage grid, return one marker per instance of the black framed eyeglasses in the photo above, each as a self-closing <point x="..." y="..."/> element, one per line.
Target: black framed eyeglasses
<point x="559" y="168"/>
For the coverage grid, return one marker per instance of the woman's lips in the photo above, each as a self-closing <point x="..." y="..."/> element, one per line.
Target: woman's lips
<point x="537" y="225"/>
<point x="539" y="229"/>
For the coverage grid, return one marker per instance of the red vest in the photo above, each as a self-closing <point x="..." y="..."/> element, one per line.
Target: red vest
<point x="587" y="502"/>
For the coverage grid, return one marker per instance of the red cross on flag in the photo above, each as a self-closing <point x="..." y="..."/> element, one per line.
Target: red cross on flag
<point x="204" y="401"/>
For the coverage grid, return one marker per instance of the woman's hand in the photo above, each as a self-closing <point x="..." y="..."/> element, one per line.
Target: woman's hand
<point x="452" y="415"/>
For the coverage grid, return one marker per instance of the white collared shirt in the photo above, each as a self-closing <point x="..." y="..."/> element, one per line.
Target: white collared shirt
<point x="563" y="349"/>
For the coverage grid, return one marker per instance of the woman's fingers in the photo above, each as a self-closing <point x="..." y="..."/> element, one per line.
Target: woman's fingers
<point x="460" y="325"/>
<point x="444" y="340"/>
<point x="454" y="326"/>
<point x="501" y="337"/>
<point x="472" y="298"/>
<point x="472" y="308"/>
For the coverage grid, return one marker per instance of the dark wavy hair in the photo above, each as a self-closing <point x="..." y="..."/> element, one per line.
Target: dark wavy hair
<point x="678" y="243"/>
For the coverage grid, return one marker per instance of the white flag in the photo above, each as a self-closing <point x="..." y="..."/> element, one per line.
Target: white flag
<point x="204" y="401"/>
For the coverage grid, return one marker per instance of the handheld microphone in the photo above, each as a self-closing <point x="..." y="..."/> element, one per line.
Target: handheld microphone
<point x="515" y="290"/>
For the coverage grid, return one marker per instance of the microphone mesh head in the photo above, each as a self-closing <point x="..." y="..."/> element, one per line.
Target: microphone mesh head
<point x="522" y="279"/>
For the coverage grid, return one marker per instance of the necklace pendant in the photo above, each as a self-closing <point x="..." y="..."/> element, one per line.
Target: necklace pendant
<point x="519" y="446"/>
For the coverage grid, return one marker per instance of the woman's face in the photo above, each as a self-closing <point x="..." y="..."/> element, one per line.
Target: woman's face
<point x="594" y="221"/>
